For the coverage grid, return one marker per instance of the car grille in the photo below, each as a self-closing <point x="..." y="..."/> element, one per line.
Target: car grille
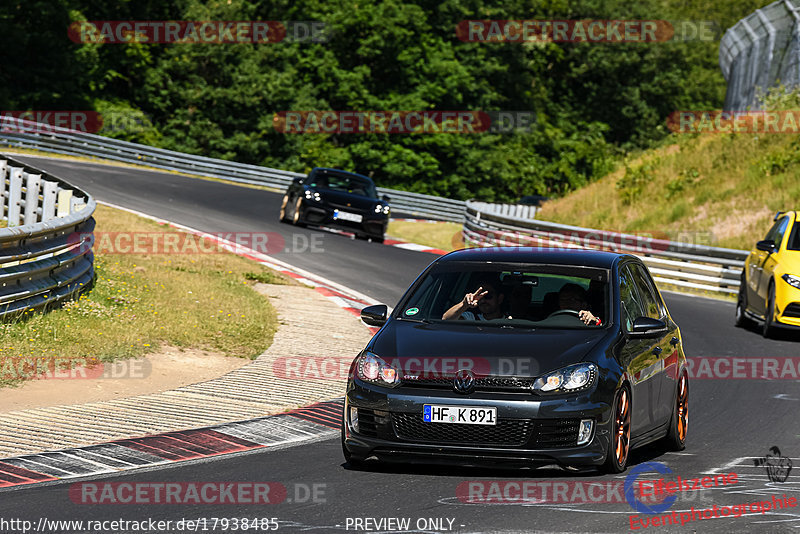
<point x="486" y="383"/>
<point x="507" y="432"/>
<point x="535" y="434"/>
<point x="792" y="310"/>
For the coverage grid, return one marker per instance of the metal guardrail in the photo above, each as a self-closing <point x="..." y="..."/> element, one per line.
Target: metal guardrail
<point x="519" y="211"/>
<point x="45" y="250"/>
<point x="760" y="51"/>
<point x="47" y="138"/>
<point x="686" y="265"/>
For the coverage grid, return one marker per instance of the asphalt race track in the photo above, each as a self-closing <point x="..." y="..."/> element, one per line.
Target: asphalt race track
<point x="731" y="423"/>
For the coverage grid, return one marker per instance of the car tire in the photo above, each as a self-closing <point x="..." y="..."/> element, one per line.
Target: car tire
<point x="284" y="203"/>
<point x="619" y="445"/>
<point x="769" y="328"/>
<point x="352" y="463"/>
<point x="679" y="423"/>
<point x="377" y="239"/>
<point x="742" y="321"/>
<point x="362" y="237"/>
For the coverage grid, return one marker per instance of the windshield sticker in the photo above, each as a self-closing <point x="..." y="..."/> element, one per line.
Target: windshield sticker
<point x="412" y="311"/>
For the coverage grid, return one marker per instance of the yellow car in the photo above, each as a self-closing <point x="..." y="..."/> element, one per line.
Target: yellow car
<point x="770" y="288"/>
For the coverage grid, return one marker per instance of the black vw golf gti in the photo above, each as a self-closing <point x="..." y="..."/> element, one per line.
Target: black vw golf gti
<point x="526" y="356"/>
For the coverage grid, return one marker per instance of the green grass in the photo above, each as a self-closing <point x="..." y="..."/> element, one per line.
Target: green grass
<point x="140" y="302"/>
<point x="441" y="235"/>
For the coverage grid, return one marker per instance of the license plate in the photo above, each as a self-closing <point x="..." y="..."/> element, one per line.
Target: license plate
<point x="465" y="415"/>
<point x="347" y="216"/>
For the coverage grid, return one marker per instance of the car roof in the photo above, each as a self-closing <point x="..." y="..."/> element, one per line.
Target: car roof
<point x="554" y="256"/>
<point x="326" y="170"/>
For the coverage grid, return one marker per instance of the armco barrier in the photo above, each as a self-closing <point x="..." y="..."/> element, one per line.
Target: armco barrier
<point x="681" y="264"/>
<point x="42" y="261"/>
<point x="27" y="134"/>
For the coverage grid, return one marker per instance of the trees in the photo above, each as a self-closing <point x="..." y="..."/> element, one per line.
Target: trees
<point x="219" y="100"/>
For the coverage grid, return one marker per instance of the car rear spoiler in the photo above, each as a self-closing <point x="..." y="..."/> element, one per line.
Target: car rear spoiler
<point x="778" y="215"/>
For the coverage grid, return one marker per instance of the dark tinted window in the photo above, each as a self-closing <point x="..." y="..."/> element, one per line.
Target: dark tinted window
<point x="525" y="295"/>
<point x="794" y="238"/>
<point x="651" y="303"/>
<point x="629" y="306"/>
<point x="777" y="231"/>
<point x="347" y="183"/>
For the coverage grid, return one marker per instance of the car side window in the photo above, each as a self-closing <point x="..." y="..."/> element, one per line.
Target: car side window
<point x="777" y="231"/>
<point x="629" y="306"/>
<point x="651" y="303"/>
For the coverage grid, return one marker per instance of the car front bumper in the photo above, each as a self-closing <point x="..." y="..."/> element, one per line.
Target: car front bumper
<point x="531" y="431"/>
<point x="373" y="224"/>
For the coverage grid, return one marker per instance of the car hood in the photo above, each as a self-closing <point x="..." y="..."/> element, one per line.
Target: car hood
<point x="493" y="350"/>
<point x="340" y="198"/>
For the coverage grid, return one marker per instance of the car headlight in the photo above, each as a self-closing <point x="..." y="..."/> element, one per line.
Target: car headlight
<point x="372" y="369"/>
<point x="380" y="208"/>
<point x="313" y="195"/>
<point x="573" y="378"/>
<point x="792" y="280"/>
<point x="386" y="210"/>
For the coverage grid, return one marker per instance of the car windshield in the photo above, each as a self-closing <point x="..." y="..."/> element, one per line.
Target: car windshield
<point x="347" y="183"/>
<point x="517" y="295"/>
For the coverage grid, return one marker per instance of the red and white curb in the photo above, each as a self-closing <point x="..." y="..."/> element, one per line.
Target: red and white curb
<point x="321" y="420"/>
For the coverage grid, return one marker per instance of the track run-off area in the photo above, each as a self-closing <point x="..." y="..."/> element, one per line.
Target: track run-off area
<point x="734" y="423"/>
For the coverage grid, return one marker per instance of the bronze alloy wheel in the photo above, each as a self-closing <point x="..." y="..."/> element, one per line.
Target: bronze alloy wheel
<point x="620" y="441"/>
<point x="682" y="409"/>
<point x="622" y="428"/>
<point x="297" y="206"/>
<point x="284" y="202"/>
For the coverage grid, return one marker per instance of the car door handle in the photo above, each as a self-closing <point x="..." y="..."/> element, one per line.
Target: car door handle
<point x="657" y="351"/>
<point x="674" y="341"/>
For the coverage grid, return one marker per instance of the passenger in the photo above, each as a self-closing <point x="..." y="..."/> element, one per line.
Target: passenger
<point x="487" y="298"/>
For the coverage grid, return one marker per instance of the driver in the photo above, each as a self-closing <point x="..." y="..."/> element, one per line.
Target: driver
<point x="572" y="297"/>
<point x="487" y="298"/>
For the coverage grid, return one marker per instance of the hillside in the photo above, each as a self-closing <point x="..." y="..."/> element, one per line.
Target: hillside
<point x="716" y="189"/>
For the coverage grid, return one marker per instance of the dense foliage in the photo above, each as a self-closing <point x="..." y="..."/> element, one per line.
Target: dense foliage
<point x="593" y="101"/>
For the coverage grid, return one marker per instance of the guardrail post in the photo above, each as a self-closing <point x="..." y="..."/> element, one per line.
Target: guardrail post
<point x="14" y="195"/>
<point x="64" y="197"/>
<point x="49" y="204"/>
<point x="32" y="198"/>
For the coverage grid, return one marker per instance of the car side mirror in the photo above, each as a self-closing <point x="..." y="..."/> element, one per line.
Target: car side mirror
<point x="648" y="327"/>
<point x="767" y="245"/>
<point x="375" y="315"/>
<point x="298" y="179"/>
<point x="385" y="198"/>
